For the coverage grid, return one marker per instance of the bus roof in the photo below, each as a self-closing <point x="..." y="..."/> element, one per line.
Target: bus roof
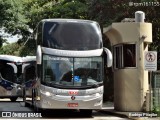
<point x="67" y="20"/>
<point x="10" y="58"/>
<point x="29" y="58"/>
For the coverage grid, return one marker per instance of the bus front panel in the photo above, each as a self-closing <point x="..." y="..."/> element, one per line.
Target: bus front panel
<point x="71" y="81"/>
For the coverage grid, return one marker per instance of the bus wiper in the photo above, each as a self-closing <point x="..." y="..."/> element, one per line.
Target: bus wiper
<point x="95" y="85"/>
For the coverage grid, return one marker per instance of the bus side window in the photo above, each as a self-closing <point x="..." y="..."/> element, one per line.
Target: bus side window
<point x="8" y="73"/>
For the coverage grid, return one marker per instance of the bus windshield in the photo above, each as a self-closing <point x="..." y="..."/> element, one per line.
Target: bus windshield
<point x="7" y="73"/>
<point x="69" y="71"/>
<point x="72" y="35"/>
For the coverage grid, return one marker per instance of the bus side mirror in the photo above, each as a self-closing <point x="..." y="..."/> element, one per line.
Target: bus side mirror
<point x="39" y="55"/>
<point x="14" y="67"/>
<point x="109" y="57"/>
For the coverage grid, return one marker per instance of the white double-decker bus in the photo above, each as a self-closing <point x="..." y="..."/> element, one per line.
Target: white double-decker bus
<point x="70" y="65"/>
<point x="10" y="77"/>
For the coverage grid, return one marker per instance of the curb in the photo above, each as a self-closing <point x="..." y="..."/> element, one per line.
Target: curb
<point x="111" y="112"/>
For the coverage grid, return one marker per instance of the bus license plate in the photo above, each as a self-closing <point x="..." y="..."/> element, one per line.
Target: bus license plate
<point x="72" y="104"/>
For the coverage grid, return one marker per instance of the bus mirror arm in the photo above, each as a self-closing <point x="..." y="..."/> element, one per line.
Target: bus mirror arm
<point x="39" y="55"/>
<point x="109" y="57"/>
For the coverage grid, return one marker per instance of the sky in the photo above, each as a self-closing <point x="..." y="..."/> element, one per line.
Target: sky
<point x="12" y="39"/>
<point x="9" y="37"/>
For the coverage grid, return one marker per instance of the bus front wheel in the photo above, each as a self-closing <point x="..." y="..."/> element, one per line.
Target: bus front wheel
<point x="13" y="99"/>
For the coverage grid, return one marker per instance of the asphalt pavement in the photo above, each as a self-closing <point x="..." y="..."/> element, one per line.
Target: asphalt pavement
<point x="108" y="109"/>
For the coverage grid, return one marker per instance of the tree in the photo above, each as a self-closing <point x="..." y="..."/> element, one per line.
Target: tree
<point x="106" y="12"/>
<point x="19" y="17"/>
<point x="28" y="49"/>
<point x="22" y="17"/>
<point x="42" y="9"/>
<point x="2" y="40"/>
<point x="12" y="18"/>
<point x="10" y="49"/>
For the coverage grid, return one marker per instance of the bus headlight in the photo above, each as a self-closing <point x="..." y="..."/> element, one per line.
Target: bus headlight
<point x="48" y="94"/>
<point x="19" y="87"/>
<point x="97" y="94"/>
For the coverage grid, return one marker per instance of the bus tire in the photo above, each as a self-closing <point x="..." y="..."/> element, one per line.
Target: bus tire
<point x="24" y="95"/>
<point x="13" y="99"/>
<point x="36" y="109"/>
<point x="86" y="112"/>
<point x="26" y="104"/>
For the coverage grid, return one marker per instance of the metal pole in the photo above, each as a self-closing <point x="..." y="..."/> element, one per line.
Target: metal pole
<point x="158" y="103"/>
<point x="150" y="90"/>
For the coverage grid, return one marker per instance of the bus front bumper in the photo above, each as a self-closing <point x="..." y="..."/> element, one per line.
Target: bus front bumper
<point x="71" y="102"/>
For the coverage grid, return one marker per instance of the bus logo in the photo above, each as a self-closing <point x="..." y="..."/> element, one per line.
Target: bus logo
<point x="73" y="92"/>
<point x="73" y="98"/>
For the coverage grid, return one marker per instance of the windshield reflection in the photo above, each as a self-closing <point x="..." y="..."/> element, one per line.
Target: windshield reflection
<point x="71" y="71"/>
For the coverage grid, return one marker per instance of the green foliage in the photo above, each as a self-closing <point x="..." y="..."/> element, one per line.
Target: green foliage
<point x="106" y="12"/>
<point x="73" y="9"/>
<point x="42" y="9"/>
<point x="156" y="110"/>
<point x="12" y="18"/>
<point x="19" y="17"/>
<point x="10" y="49"/>
<point x="2" y="40"/>
<point x="29" y="48"/>
<point x="5" y="11"/>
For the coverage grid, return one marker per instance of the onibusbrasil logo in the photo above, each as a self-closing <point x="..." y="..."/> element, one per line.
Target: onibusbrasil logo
<point x="20" y="115"/>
